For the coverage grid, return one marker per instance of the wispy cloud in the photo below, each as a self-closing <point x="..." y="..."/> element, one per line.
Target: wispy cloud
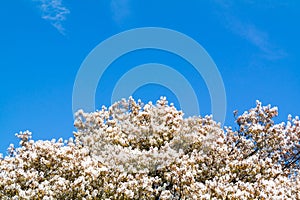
<point x="54" y="12"/>
<point x="250" y="32"/>
<point x="255" y="36"/>
<point x="120" y="10"/>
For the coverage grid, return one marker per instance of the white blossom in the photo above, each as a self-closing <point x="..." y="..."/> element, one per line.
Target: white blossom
<point x="136" y="151"/>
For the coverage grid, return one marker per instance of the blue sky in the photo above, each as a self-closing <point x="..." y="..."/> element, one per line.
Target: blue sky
<point x="43" y="43"/>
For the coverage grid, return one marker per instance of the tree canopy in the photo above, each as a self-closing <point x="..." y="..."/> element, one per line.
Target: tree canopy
<point x="133" y="150"/>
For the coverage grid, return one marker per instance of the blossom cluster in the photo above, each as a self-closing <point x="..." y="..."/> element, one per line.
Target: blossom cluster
<point x="133" y="150"/>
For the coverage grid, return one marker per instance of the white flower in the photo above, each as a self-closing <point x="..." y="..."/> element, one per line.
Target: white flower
<point x="138" y="151"/>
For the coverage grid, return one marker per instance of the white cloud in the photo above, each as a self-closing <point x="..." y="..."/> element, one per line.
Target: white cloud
<point x="54" y="12"/>
<point x="120" y="10"/>
<point x="249" y="32"/>
<point x="256" y="37"/>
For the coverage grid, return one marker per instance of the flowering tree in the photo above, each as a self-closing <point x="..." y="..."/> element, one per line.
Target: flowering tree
<point x="137" y="151"/>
